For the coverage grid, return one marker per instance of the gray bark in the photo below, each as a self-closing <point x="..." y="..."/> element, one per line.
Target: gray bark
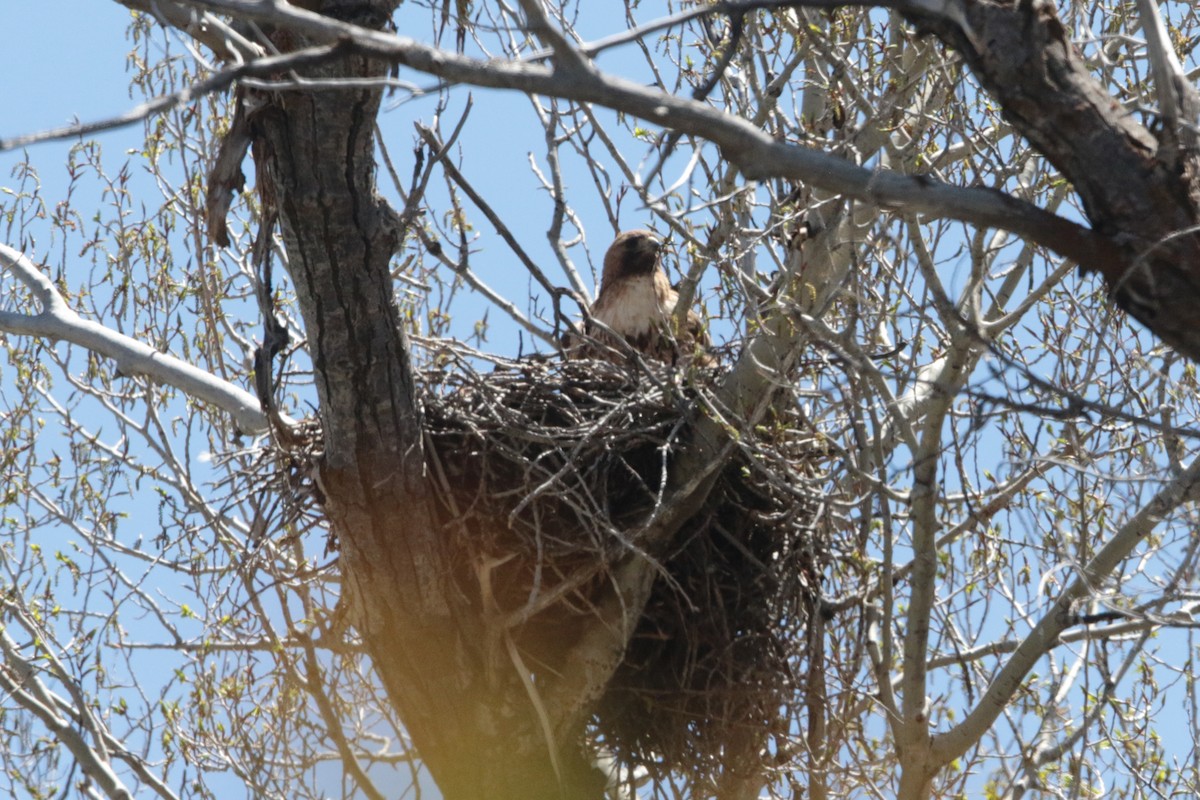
<point x="474" y="727"/>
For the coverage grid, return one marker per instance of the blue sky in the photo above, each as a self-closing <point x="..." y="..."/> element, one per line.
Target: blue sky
<point x="63" y="61"/>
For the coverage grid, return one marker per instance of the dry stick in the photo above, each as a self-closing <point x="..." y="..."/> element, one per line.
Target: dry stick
<point x="314" y="683"/>
<point x="561" y="209"/>
<point x="472" y="280"/>
<point x="460" y="180"/>
<point x="417" y="192"/>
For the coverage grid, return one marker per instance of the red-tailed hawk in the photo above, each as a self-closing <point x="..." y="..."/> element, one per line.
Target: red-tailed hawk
<point x="637" y="303"/>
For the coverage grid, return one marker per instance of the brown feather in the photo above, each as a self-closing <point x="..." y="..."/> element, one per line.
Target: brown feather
<point x="636" y="303"/>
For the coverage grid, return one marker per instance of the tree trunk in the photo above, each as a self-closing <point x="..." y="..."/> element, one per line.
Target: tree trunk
<point x="472" y="722"/>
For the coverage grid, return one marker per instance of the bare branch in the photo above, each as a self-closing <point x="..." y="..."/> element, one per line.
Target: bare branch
<point x="19" y="679"/>
<point x="565" y="53"/>
<point x="1178" y="100"/>
<point x="219" y="36"/>
<point x="266" y="65"/>
<point x="1045" y="635"/>
<point x="58" y="322"/>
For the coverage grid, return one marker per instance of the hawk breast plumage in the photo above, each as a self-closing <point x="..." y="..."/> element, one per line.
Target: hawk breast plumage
<point x="636" y="306"/>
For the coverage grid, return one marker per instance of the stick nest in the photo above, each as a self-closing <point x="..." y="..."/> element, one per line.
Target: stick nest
<point x="548" y="472"/>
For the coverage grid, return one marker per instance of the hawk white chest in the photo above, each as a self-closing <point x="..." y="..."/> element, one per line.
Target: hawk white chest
<point x="637" y="308"/>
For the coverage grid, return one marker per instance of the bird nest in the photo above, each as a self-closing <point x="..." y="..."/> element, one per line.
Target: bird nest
<point x="549" y="471"/>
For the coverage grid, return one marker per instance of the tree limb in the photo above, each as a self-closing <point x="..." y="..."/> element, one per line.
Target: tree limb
<point x="268" y="65"/>
<point x="754" y="151"/>
<point x="953" y="743"/>
<point x="58" y="322"/>
<point x="1177" y="98"/>
<point x="220" y="37"/>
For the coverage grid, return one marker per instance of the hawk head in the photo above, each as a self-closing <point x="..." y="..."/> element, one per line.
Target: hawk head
<point x="631" y="254"/>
